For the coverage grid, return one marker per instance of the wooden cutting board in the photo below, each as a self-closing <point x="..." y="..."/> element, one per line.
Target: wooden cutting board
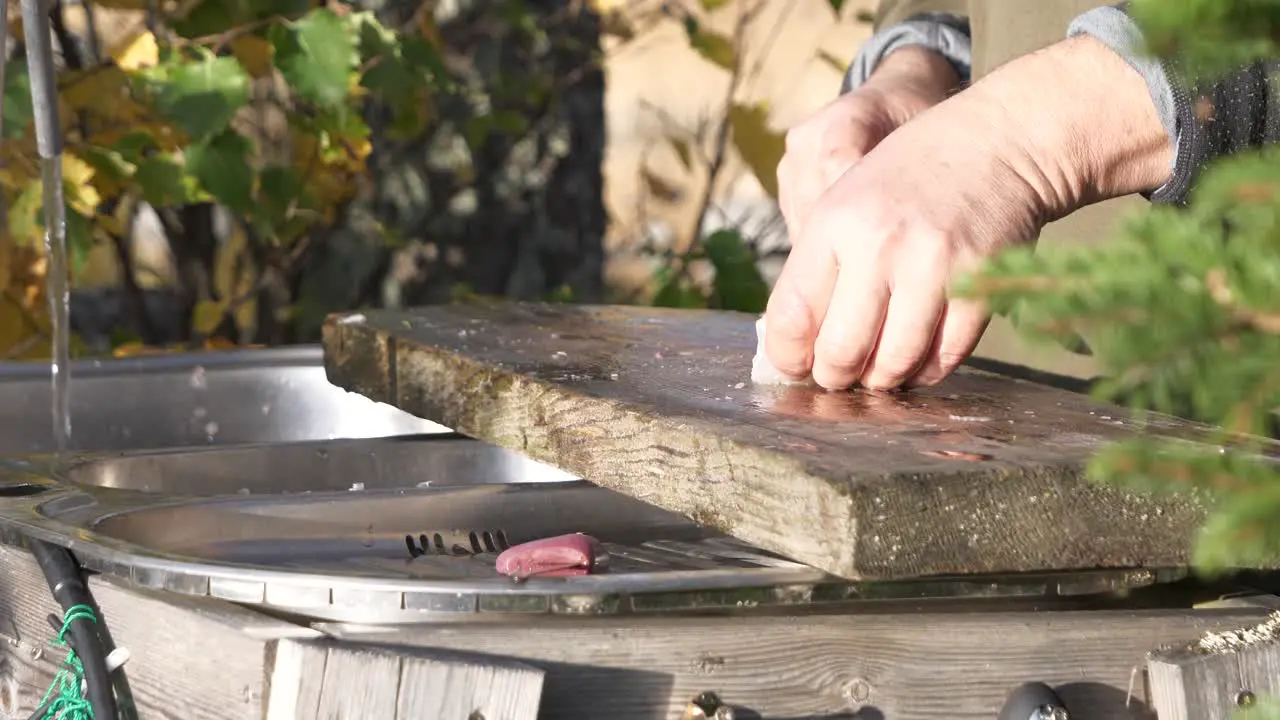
<point x="981" y="474"/>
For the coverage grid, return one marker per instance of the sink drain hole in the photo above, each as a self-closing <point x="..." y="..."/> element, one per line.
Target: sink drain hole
<point x="21" y="490"/>
<point x="476" y="543"/>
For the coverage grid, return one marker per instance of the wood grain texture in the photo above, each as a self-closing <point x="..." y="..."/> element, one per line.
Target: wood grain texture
<point x="1212" y="680"/>
<point x="350" y="681"/>
<point x="979" y="475"/>
<point x="189" y="660"/>
<point x="195" y="659"/>
<point x="889" y="666"/>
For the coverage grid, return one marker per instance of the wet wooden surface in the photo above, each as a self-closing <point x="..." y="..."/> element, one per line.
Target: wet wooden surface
<point x="981" y="474"/>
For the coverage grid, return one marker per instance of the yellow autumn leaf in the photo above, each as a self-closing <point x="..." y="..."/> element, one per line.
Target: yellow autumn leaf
<point x="607" y="7"/>
<point x="134" y="348"/>
<point x="139" y="52"/>
<point x="254" y="53"/>
<point x="218" y="343"/>
<point x="104" y="94"/>
<point x="659" y="187"/>
<point x="761" y="148"/>
<point x="682" y="150"/>
<point x="18" y="340"/>
<point x="76" y="177"/>
<point x="833" y="62"/>
<point x="207" y="315"/>
<point x="712" y="46"/>
<point x="428" y="29"/>
<point x="232" y="278"/>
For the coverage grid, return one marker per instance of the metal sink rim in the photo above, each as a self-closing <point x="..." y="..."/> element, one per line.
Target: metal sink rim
<point x="337" y="597"/>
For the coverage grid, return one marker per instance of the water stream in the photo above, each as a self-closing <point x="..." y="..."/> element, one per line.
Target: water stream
<point x="58" y="290"/>
<point x="44" y="101"/>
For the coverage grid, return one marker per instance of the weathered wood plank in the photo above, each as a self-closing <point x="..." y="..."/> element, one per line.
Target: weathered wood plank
<point x="981" y="474"/>
<point x="1212" y="678"/>
<point x="194" y="659"/>
<point x="346" y="680"/>
<point x="899" y="666"/>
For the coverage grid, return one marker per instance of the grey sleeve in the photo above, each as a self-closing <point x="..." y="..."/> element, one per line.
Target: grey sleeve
<point x="944" y="33"/>
<point x="1113" y="27"/>
<point x="1206" y="120"/>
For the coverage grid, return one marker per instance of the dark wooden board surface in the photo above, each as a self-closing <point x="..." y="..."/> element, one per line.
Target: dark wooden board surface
<point x="981" y="474"/>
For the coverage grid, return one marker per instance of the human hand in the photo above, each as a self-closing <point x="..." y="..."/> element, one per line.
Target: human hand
<point x="864" y="294"/>
<point x="820" y="149"/>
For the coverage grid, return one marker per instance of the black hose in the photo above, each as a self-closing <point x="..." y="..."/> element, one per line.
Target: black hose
<point x="67" y="584"/>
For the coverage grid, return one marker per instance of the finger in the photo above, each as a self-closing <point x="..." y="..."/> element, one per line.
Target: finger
<point x="786" y="193"/>
<point x="852" y="324"/>
<point x="912" y="321"/>
<point x="797" y="306"/>
<point x="963" y="323"/>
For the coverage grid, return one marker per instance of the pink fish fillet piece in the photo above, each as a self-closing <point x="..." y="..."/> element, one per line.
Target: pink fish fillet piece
<point x="560" y="556"/>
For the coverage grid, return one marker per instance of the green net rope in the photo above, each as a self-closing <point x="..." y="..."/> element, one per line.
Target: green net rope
<point x="65" y="700"/>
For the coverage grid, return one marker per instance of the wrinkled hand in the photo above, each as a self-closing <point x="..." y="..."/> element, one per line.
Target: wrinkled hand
<point x="820" y="150"/>
<point x="864" y="294"/>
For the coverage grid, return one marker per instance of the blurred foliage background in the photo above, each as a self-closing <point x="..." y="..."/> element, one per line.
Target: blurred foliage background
<point x="238" y="169"/>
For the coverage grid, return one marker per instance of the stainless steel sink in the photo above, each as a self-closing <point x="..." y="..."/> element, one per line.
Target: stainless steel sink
<point x="318" y="466"/>
<point x="182" y="400"/>
<point x="408" y="529"/>
<point x="319" y="503"/>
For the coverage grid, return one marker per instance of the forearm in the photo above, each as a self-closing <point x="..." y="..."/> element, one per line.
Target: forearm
<point x="1223" y="117"/>
<point x="1084" y="126"/>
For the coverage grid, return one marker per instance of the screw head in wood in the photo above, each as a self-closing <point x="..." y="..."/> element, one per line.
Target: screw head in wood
<point x="706" y="706"/>
<point x="1246" y="699"/>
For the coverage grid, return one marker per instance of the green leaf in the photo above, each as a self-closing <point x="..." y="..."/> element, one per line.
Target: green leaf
<point x="201" y="97"/>
<point x="107" y="162"/>
<point x="713" y="5"/>
<point x="134" y="147"/>
<point x="164" y="182"/>
<point x="279" y="189"/>
<point x="836" y="6"/>
<point x="221" y="164"/>
<point x="738" y="283"/>
<point x="211" y="17"/>
<point x="317" y="56"/>
<point x="24" y="215"/>
<point x="18" y="111"/>
<point x="712" y="46"/>
<point x="79" y="240"/>
<point x="679" y="295"/>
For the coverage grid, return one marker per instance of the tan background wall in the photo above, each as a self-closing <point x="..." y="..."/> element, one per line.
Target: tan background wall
<point x="656" y="81"/>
